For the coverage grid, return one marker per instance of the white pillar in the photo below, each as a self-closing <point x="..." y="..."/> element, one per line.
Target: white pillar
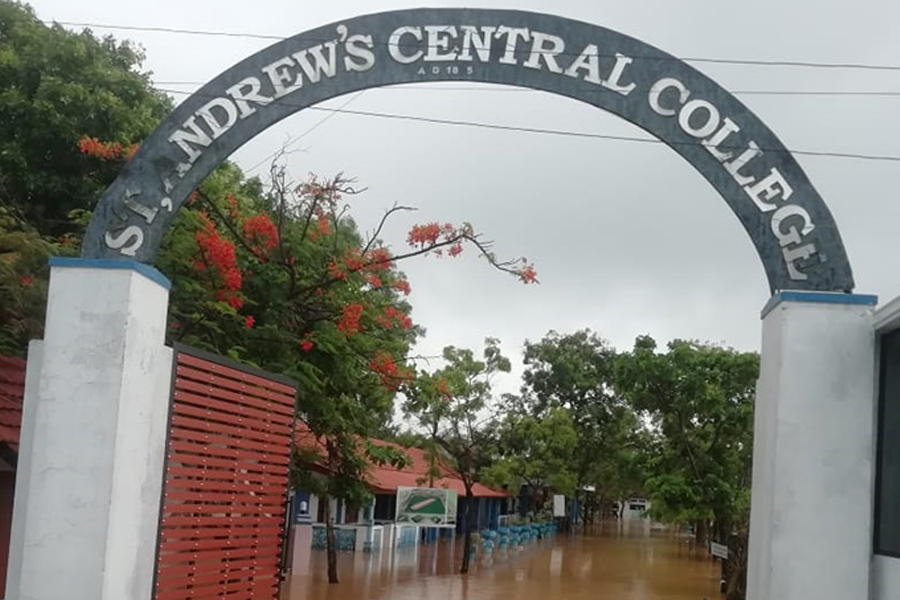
<point x="93" y="437"/>
<point x="813" y="454"/>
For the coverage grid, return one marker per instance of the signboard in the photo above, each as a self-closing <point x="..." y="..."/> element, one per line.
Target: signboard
<point x="428" y="507"/>
<point x="559" y="505"/>
<point x="793" y="231"/>
<point x="718" y="550"/>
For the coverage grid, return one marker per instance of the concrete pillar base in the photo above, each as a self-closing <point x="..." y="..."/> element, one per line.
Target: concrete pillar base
<point x="813" y="455"/>
<point x="88" y="489"/>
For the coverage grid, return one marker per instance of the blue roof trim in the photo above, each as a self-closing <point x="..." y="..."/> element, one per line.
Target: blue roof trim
<point x="107" y="263"/>
<point x="819" y="298"/>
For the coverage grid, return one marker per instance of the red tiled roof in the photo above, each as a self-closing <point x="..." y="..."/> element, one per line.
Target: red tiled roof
<point x="12" y="390"/>
<point x="385" y="479"/>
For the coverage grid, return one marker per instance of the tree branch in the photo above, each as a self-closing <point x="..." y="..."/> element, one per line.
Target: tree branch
<point x="384" y="219"/>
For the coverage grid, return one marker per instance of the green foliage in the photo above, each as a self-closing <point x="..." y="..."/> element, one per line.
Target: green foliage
<point x="451" y="404"/>
<point x="57" y="86"/>
<point x="699" y="399"/>
<point x="535" y="451"/>
<point x="23" y="281"/>
<point x="574" y="373"/>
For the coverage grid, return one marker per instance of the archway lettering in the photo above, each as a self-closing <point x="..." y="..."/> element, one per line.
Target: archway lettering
<point x="788" y="222"/>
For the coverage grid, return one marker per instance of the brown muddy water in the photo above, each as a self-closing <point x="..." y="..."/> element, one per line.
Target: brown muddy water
<point x="628" y="561"/>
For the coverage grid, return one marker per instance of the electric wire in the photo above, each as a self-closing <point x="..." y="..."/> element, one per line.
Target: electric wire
<point x="695" y="59"/>
<point x="565" y="133"/>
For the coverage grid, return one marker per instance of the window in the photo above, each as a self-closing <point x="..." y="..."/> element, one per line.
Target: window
<point x="351" y="514"/>
<point x="887" y="477"/>
<point x="385" y="507"/>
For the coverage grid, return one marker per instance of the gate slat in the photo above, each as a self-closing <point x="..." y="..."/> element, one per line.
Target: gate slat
<point x="226" y="440"/>
<point x="232" y="567"/>
<point x="222" y="475"/>
<point x="238" y="399"/>
<point x="215" y="417"/>
<point x="184" y="422"/>
<point x="219" y="452"/>
<point x="207" y="521"/>
<point x="227" y="408"/>
<point x="218" y="369"/>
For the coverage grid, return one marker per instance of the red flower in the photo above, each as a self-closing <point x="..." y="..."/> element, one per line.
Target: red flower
<point x="402" y="286"/>
<point x="353" y="259"/>
<point x="323" y="225"/>
<point x="306" y="342"/>
<point x="249" y="322"/>
<point x="27" y="281"/>
<point x="233" y="300"/>
<point x="384" y="366"/>
<point x="528" y="275"/>
<point x="393" y="316"/>
<point x="221" y="254"/>
<point x="105" y="150"/>
<point x="378" y="259"/>
<point x="261" y="232"/>
<point x="424" y="235"/>
<point x="335" y="271"/>
<point x="349" y="321"/>
<point x="455" y="250"/>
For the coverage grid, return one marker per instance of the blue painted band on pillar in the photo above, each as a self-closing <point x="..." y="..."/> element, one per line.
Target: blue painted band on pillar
<point x="103" y="263"/>
<point x="818" y="298"/>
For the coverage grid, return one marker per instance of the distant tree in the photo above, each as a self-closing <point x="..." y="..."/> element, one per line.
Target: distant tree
<point x="56" y="87"/>
<point x="575" y="372"/>
<point x="453" y="405"/>
<point x="699" y="398"/>
<point x="535" y="451"/>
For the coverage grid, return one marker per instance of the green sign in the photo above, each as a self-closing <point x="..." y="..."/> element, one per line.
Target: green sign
<point x="429" y="507"/>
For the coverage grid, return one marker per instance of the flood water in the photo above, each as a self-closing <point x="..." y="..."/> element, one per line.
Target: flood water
<point x="628" y="561"/>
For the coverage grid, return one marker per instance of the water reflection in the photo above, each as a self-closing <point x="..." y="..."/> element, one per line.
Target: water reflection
<point x="614" y="561"/>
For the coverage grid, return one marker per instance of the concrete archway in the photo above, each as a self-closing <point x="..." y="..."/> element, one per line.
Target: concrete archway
<point x="791" y="227"/>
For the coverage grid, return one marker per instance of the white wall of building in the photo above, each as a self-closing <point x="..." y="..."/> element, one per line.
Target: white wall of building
<point x="885" y="578"/>
<point x="885" y="574"/>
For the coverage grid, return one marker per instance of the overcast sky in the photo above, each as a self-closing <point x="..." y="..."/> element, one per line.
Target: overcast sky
<point x="627" y="238"/>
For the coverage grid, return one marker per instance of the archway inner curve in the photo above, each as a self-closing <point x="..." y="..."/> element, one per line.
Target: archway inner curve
<point x="791" y="227"/>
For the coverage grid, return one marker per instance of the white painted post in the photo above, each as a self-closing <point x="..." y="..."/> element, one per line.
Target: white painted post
<point x="93" y="437"/>
<point x="813" y="455"/>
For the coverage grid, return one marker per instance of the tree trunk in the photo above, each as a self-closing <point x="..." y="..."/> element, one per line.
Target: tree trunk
<point x="722" y="535"/>
<point x="330" y="545"/>
<point x="736" y="582"/>
<point x="467" y="531"/>
<point x="700" y="533"/>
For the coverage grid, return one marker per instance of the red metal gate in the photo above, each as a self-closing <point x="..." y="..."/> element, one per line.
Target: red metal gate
<point x="222" y="519"/>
